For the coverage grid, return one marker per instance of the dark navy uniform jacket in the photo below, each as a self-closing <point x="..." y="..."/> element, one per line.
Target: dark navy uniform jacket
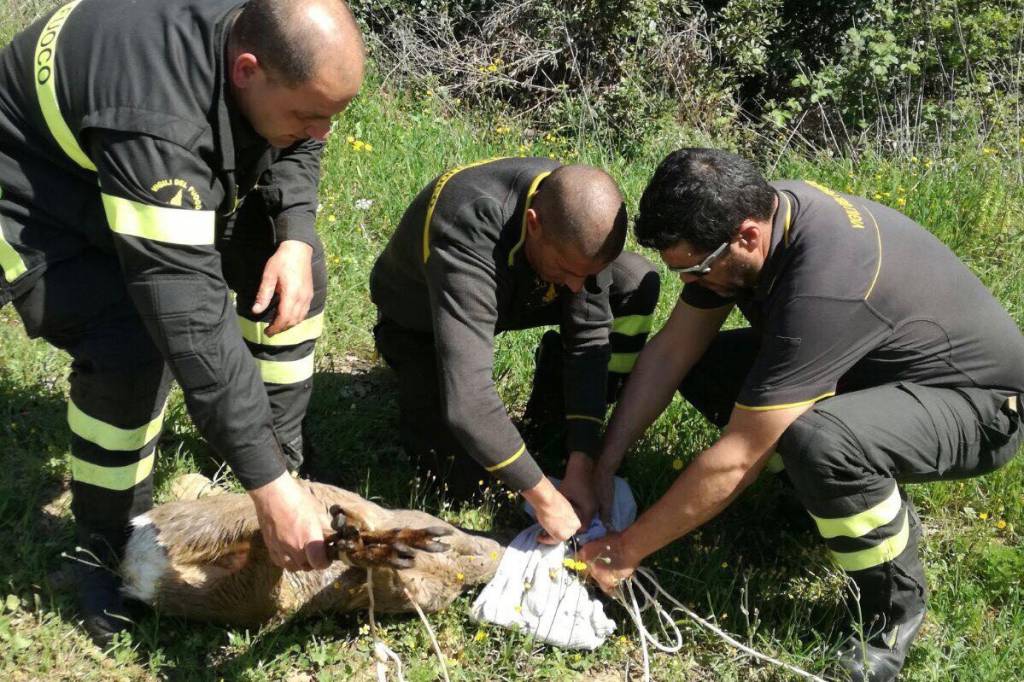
<point x="118" y="132"/>
<point x="455" y="268"/>
<point x="854" y="294"/>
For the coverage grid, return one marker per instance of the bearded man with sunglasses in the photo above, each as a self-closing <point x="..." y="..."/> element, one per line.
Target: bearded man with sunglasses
<point x="873" y="357"/>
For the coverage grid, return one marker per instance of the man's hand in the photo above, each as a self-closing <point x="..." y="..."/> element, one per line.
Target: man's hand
<point x="578" y="488"/>
<point x="608" y="560"/>
<point x="289" y="273"/>
<point x="293" y="524"/>
<point x="554" y="513"/>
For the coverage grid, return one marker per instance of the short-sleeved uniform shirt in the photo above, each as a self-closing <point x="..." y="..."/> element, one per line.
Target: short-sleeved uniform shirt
<point x="854" y="294"/>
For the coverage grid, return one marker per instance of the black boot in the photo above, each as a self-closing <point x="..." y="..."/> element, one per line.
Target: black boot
<point x="879" y="658"/>
<point x="100" y="602"/>
<point x="543" y="423"/>
<point x="893" y="600"/>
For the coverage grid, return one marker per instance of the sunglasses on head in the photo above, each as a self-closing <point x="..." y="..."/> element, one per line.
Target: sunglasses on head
<point x="704" y="267"/>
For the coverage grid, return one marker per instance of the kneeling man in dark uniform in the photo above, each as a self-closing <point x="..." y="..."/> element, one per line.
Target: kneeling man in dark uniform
<point x="510" y="244"/>
<point x="873" y="357"/>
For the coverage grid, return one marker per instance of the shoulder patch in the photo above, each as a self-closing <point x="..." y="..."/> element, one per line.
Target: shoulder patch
<point x="177" y="193"/>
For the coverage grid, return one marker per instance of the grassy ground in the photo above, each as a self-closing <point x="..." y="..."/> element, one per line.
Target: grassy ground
<point x="758" y="575"/>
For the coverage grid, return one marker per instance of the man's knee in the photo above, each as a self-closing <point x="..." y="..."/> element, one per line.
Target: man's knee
<point x="636" y="285"/>
<point x="821" y="455"/>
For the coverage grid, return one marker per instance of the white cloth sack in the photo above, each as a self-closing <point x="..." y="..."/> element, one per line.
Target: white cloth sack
<point x="534" y="591"/>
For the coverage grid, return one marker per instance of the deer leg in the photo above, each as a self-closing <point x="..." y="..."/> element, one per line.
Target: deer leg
<point x="394" y="547"/>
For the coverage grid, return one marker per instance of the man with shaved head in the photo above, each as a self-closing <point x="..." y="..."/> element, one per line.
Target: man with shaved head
<point x="156" y="156"/>
<point x="494" y="246"/>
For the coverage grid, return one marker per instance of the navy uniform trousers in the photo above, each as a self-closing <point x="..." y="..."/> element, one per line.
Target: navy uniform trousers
<point x="119" y="381"/>
<point x="847" y="455"/>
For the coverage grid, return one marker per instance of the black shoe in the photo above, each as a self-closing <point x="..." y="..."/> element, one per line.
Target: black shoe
<point x="101" y="605"/>
<point x="880" y="658"/>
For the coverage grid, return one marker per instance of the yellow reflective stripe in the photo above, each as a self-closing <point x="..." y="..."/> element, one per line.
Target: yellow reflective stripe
<point x="622" y="362"/>
<point x="46" y="90"/>
<point x="11" y="262"/>
<point x="529" y="200"/>
<point x="785" y="224"/>
<point x="111" y="478"/>
<point x="775" y="464"/>
<point x="887" y="550"/>
<point x="436" y="194"/>
<point x="111" y="437"/>
<point x="863" y="523"/>
<point x="502" y="465"/>
<point x="159" y="223"/>
<point x="286" y="371"/>
<point x="633" y="325"/>
<point x="766" y="408"/>
<point x="586" y="417"/>
<point x="878" y="236"/>
<point x="307" y="330"/>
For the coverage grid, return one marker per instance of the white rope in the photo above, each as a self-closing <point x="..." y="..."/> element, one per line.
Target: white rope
<point x="430" y="631"/>
<point x="626" y="594"/>
<point x="382" y="653"/>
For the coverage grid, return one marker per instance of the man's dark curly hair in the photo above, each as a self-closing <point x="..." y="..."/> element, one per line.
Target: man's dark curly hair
<point x="701" y="196"/>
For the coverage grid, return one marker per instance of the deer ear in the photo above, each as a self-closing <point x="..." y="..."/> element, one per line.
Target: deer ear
<point x="233" y="561"/>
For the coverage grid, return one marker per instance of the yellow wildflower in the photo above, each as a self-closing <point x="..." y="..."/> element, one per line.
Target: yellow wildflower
<point x="1001" y="524"/>
<point x="460" y="576"/>
<point x="677" y="464"/>
<point x="983" y="516"/>
<point x="368" y="147"/>
<point x="479" y="636"/>
<point x="574" y="565"/>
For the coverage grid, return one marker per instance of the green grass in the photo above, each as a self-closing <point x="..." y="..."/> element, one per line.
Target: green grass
<point x="766" y="581"/>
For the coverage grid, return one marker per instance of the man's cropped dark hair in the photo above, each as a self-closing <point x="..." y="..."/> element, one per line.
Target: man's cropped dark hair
<point x="702" y="196"/>
<point x="274" y="32"/>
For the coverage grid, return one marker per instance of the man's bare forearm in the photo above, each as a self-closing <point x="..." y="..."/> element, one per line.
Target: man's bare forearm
<point x="661" y="367"/>
<point x="705" y="488"/>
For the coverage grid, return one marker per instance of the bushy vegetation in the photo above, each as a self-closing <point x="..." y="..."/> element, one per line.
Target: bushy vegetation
<point x="764" y="579"/>
<point x="838" y="75"/>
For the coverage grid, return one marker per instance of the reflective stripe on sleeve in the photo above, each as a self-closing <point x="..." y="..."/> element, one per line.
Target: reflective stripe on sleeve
<point x="111" y="478"/>
<point x="45" y="66"/>
<point x="505" y="463"/>
<point x="159" y="223"/>
<point x="111" y="437"/>
<point x="286" y="371"/>
<point x="622" y="362"/>
<point x="633" y="325"/>
<point x="861" y="524"/>
<point x="307" y="330"/>
<point x="10" y="261"/>
<point x="887" y="550"/>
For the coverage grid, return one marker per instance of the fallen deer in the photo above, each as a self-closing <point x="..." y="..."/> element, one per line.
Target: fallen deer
<point x="205" y="559"/>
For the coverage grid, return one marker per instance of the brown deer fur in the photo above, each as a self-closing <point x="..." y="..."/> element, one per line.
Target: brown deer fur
<point x="205" y="559"/>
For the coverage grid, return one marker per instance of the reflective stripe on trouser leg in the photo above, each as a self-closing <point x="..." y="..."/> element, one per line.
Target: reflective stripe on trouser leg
<point x="878" y="548"/>
<point x="286" y="362"/>
<point x="634" y="296"/>
<point x="115" y="422"/>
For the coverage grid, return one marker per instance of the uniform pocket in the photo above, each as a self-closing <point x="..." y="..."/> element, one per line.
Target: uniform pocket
<point x="185" y="323"/>
<point x="1002" y="434"/>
